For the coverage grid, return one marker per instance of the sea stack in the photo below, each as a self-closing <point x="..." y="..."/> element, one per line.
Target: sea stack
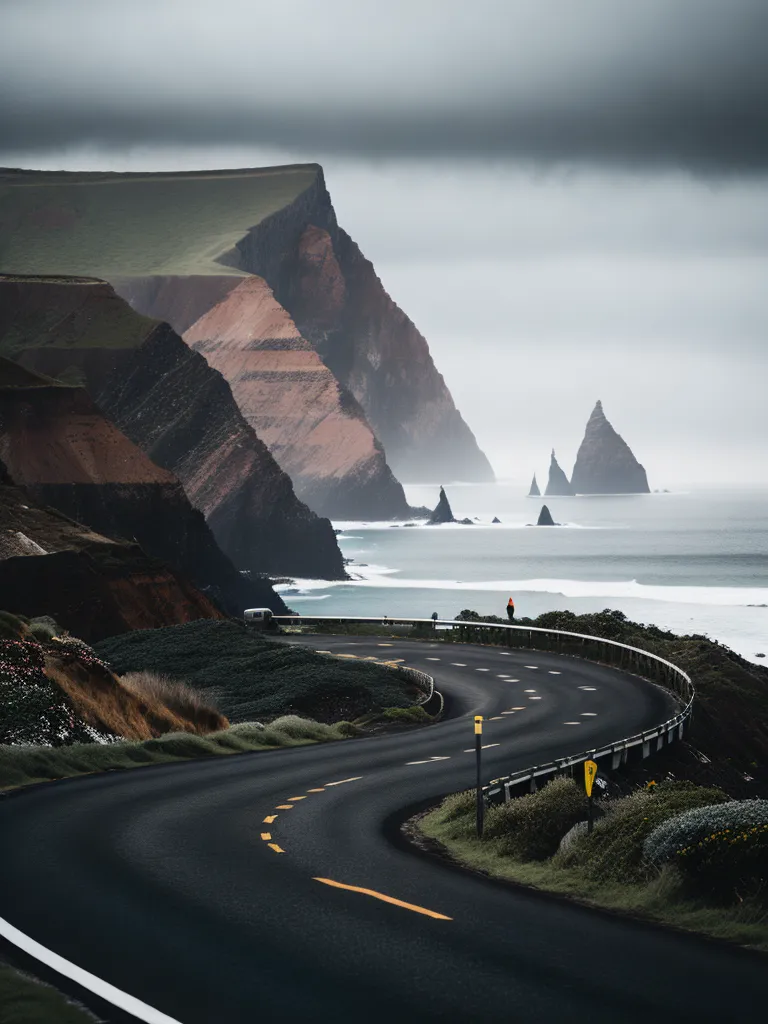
<point x="442" y="513"/>
<point x="534" y="491"/>
<point x="545" y="517"/>
<point x="604" y="463"/>
<point x="558" y="481"/>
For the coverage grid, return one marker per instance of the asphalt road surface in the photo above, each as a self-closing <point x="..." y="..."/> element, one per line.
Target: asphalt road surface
<point x="275" y="886"/>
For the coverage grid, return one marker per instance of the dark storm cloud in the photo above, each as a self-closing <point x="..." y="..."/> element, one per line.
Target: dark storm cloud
<point x="654" y="82"/>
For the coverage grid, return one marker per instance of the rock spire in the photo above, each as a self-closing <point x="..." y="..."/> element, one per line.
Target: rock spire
<point x="442" y="513"/>
<point x="558" y="481"/>
<point x="545" y="517"/>
<point x="605" y="463"/>
<point x="534" y="491"/>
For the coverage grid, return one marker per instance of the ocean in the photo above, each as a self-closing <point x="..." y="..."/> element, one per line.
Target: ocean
<point x="692" y="562"/>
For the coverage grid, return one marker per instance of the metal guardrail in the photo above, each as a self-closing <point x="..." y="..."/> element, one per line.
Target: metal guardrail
<point x="630" y="659"/>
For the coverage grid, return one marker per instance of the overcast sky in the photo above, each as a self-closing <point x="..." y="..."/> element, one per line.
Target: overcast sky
<point x="569" y="198"/>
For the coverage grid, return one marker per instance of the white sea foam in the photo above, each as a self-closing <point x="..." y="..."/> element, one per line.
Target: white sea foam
<point x="383" y="578"/>
<point x="485" y="523"/>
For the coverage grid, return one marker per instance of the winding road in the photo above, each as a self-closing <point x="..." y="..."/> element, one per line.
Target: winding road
<point x="276" y="886"/>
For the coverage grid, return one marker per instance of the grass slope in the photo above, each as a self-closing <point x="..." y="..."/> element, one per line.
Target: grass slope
<point x="25" y="1000"/>
<point x="249" y="676"/>
<point x="136" y="224"/>
<point x="604" y="869"/>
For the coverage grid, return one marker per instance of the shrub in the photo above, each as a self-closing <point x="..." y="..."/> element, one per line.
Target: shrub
<point x="530" y="827"/>
<point x="176" y="695"/>
<point x="43" y="629"/>
<point x="12" y="627"/>
<point x="406" y="716"/>
<point x="32" y="709"/>
<point x="614" y="850"/>
<point x="723" y="846"/>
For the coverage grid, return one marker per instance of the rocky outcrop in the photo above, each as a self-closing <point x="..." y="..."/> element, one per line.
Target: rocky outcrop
<point x="443" y="512"/>
<point x="605" y="463"/>
<point x="91" y="585"/>
<point x="312" y="425"/>
<point x="339" y="304"/>
<point x="179" y="232"/>
<point x="534" y="491"/>
<point x="178" y="410"/>
<point x="558" y="481"/>
<point x="495" y="519"/>
<point x="545" y="517"/>
<point x="57" y="444"/>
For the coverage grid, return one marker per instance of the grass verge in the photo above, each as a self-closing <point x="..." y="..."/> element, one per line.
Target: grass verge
<point x="25" y="1000"/>
<point x="662" y="896"/>
<point x="22" y="765"/>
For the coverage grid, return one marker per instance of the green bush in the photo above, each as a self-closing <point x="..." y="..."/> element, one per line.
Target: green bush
<point x="43" y="629"/>
<point x="530" y="827"/>
<point x="250" y="676"/>
<point x="614" y="850"/>
<point x="723" y="847"/>
<point x="406" y="716"/>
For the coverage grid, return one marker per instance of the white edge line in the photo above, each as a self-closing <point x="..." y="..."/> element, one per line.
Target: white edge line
<point x="342" y="781"/>
<point x="89" y="981"/>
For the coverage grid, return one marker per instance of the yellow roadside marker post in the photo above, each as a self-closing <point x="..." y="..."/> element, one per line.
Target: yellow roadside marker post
<point x="590" y="771"/>
<point x="478" y="756"/>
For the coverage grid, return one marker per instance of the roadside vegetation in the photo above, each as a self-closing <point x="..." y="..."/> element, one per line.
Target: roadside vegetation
<point x="21" y="765"/>
<point x="250" y="676"/>
<point x="677" y="853"/>
<point x="65" y="711"/>
<point x="25" y="1000"/>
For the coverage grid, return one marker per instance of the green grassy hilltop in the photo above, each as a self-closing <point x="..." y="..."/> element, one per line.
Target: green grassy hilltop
<point x="109" y="225"/>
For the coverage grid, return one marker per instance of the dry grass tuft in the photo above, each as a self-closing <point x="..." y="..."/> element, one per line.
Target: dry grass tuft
<point x="179" y="697"/>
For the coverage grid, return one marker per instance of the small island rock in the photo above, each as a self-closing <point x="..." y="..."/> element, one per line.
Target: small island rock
<point x="545" y="517"/>
<point x="558" y="481"/>
<point x="442" y="512"/>
<point x="534" y="491"/>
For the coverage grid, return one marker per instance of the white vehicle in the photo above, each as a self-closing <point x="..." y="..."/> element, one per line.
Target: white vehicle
<point x="259" y="616"/>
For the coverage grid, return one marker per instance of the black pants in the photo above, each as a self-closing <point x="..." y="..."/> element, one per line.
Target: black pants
<point x="510" y="613"/>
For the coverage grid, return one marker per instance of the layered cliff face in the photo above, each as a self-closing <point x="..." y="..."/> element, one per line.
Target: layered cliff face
<point x="185" y="233"/>
<point x="339" y="304"/>
<point x="558" y="481"/>
<point x="171" y="403"/>
<point x="57" y="444"/>
<point x="313" y="427"/>
<point x="605" y="463"/>
<point x="91" y="585"/>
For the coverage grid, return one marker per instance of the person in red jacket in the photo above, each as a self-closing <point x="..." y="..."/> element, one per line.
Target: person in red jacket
<point x="510" y="609"/>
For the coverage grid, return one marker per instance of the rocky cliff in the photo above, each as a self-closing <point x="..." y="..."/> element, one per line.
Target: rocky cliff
<point x="558" y="481"/>
<point x="339" y="304"/>
<point x="186" y="232"/>
<point x="312" y="425"/>
<point x="177" y="409"/>
<point x="57" y="444"/>
<point x="605" y="463"/>
<point x="90" y="584"/>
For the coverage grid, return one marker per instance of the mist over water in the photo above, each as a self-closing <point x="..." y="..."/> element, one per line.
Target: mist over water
<point x="693" y="562"/>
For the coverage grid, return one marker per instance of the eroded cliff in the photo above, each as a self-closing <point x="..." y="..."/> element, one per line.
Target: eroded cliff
<point x="171" y="403"/>
<point x="558" y="481"/>
<point x="91" y="585"/>
<point x="57" y="444"/>
<point x="313" y="426"/>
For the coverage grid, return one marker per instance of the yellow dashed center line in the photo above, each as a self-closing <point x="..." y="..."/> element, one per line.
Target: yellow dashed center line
<point x="284" y="807"/>
<point x="269" y="819"/>
<point x="266" y="836"/>
<point x="295" y="799"/>
<point x="275" y="847"/>
<point x="319" y="790"/>
<point x="385" y="899"/>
